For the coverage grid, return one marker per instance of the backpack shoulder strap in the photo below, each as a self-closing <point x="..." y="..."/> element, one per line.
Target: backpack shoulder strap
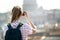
<point x="19" y="25"/>
<point x="9" y="26"/>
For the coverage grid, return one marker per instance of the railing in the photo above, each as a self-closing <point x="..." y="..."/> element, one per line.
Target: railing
<point x="52" y="35"/>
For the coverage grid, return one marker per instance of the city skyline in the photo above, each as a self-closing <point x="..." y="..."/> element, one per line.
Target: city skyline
<point x="7" y="5"/>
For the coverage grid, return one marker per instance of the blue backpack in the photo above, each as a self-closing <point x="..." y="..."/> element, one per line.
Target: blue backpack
<point x="13" y="34"/>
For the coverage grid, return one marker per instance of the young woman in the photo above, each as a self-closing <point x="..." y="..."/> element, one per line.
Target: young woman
<point x="26" y="29"/>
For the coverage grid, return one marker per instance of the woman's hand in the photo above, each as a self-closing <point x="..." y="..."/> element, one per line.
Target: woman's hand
<point x="25" y="14"/>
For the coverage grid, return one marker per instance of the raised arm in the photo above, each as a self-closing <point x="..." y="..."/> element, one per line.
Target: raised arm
<point x="29" y="21"/>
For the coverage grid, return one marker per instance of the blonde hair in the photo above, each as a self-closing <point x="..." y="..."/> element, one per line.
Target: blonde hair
<point x="16" y="13"/>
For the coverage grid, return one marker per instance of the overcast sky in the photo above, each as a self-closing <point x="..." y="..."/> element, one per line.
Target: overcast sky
<point x="7" y="5"/>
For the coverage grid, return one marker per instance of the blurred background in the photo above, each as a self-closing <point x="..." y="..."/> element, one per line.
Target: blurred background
<point x="45" y="14"/>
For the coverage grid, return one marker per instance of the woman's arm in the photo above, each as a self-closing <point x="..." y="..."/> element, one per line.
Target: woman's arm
<point x="30" y="23"/>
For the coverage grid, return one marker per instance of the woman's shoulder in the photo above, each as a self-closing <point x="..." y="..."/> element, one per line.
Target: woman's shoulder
<point x="26" y="25"/>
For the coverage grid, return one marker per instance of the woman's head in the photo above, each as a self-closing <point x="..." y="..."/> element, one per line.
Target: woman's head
<point x="16" y="13"/>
